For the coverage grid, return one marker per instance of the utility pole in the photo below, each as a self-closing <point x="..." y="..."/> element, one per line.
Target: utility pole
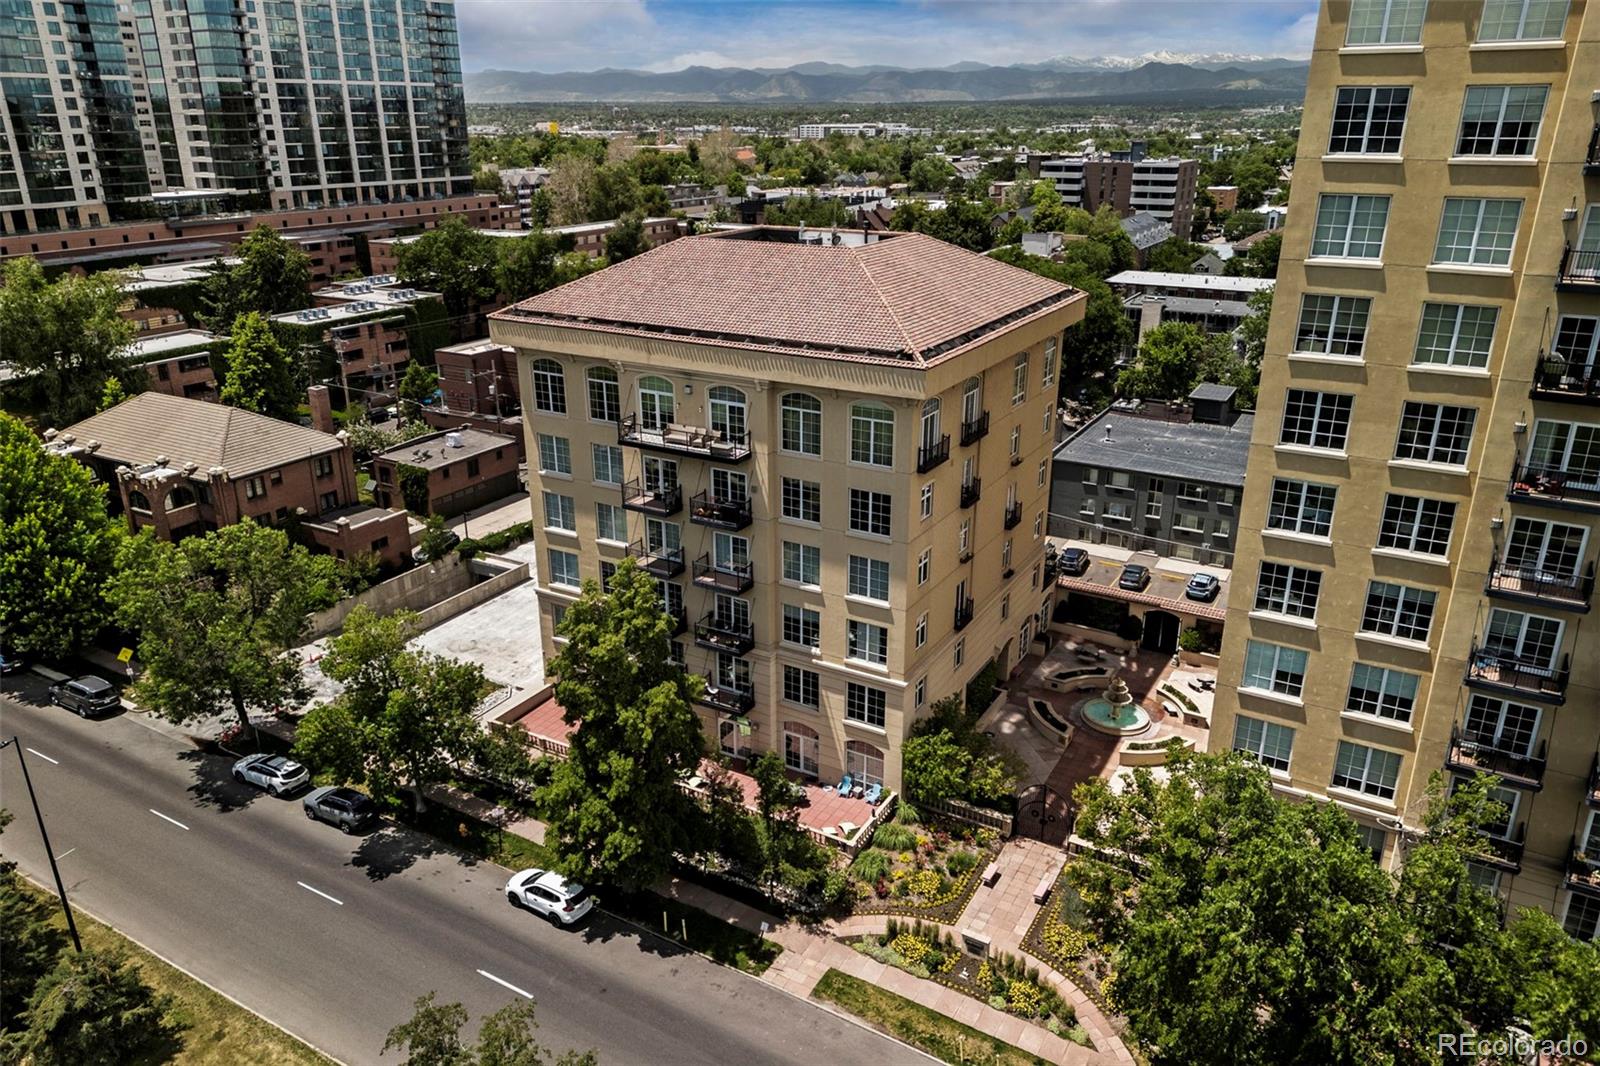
<point x="44" y="837"/>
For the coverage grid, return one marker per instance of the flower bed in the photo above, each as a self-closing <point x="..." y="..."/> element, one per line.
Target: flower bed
<point x="921" y="871"/>
<point x="1060" y="937"/>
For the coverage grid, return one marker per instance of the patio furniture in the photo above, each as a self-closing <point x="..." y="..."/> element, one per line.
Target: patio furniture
<point x="1041" y="891"/>
<point x="991" y="874"/>
<point x="874" y="795"/>
<point x="846" y="785"/>
<point x="847" y="829"/>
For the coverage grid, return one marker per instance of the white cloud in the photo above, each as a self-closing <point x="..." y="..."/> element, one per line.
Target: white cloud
<point x="552" y="34"/>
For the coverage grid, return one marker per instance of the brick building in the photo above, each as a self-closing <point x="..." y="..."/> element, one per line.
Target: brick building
<point x="478" y="377"/>
<point x="465" y="468"/>
<point x="179" y="363"/>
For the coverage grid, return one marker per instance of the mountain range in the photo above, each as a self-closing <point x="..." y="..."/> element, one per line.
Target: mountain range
<point x="1165" y="77"/>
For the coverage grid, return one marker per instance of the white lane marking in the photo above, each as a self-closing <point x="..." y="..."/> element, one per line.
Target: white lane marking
<point x="321" y="893"/>
<point x="46" y="758"/>
<point x="64" y="854"/>
<point x="505" y="984"/>
<point x="164" y="818"/>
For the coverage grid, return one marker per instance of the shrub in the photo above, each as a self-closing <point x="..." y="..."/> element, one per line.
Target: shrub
<point x="905" y="814"/>
<point x="1190" y="640"/>
<point x="961" y="862"/>
<point x="872" y="865"/>
<point x="1063" y="941"/>
<point x="923" y="883"/>
<point x="1025" y="998"/>
<point x="1131" y="628"/>
<point x="982" y="688"/>
<point x="912" y="948"/>
<point x="893" y="837"/>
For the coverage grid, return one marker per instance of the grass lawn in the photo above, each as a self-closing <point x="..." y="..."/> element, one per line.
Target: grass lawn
<point x="214" y="1031"/>
<point x="922" y="1028"/>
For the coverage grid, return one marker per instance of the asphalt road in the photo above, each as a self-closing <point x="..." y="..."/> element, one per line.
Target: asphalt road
<point x="334" y="937"/>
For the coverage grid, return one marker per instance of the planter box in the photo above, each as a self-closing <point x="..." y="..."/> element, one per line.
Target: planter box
<point x="1199" y="658"/>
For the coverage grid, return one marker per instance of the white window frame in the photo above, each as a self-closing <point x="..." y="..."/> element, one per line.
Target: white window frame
<point x="1394" y="705"/>
<point x="1256" y="737"/>
<point x="1454" y="318"/>
<point x="806" y="427"/>
<point x="1376" y="764"/>
<point x="1343" y="234"/>
<point x="1392" y="31"/>
<point x="1274" y="668"/>
<point x="1496" y="253"/>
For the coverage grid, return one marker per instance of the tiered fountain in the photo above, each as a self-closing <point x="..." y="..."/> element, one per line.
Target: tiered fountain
<point x="1114" y="712"/>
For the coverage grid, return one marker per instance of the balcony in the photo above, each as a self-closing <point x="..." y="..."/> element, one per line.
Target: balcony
<point x="1493" y="672"/>
<point x="665" y="563"/>
<point x="1016" y="460"/>
<point x="1014" y="515"/>
<point x="727" y="699"/>
<point x="1591" y="160"/>
<point x="694" y="441"/>
<point x="974" y="430"/>
<point x="708" y="510"/>
<point x="1008" y="573"/>
<point x="1473" y="756"/>
<point x="971" y="491"/>
<point x="1551" y="486"/>
<point x="1580" y="270"/>
<point x="1570" y="592"/>
<point x="660" y="501"/>
<point x="723" y="633"/>
<point x="966" y="556"/>
<point x="1505" y="853"/>
<point x="963" y="613"/>
<point x="1565" y="382"/>
<point x="1592" y="794"/>
<point x="723" y="577"/>
<point x="1583" y="871"/>
<point x="931" y="455"/>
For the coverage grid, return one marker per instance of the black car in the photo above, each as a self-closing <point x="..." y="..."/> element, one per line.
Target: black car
<point x="1074" y="561"/>
<point x="1134" y="577"/>
<point x="86" y="696"/>
<point x="344" y="807"/>
<point x="1203" y="587"/>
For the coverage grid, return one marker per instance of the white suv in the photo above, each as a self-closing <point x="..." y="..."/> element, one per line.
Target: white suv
<point x="548" y="893"/>
<point x="275" y="773"/>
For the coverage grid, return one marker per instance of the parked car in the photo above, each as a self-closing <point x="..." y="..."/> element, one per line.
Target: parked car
<point x="1134" y="577"/>
<point x="344" y="807"/>
<point x="11" y="662"/>
<point x="548" y="893"/>
<point x="448" y="544"/>
<point x="1203" y="587"/>
<point x="1074" y="561"/>
<point x="86" y="696"/>
<point x="275" y="773"/>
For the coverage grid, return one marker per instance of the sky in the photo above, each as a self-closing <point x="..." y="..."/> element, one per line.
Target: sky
<point x="660" y="35"/>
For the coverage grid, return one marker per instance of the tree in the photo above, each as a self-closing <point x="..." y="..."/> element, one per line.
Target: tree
<point x="405" y="716"/>
<point x="63" y="339"/>
<point x="962" y="222"/>
<point x="1175" y="255"/>
<point x="947" y="758"/>
<point x="436" y="540"/>
<point x="930" y="174"/>
<point x="934" y="766"/>
<point x="538" y="262"/>
<point x="568" y="189"/>
<point x="216" y="615"/>
<point x="614" y="809"/>
<point x="57" y="546"/>
<point x="112" y="393"/>
<point x="367" y="440"/>
<point x="626" y="238"/>
<point x="454" y="260"/>
<point x="1260" y="260"/>
<point x="419" y="384"/>
<point x="92" y="1009"/>
<point x="1092" y="347"/>
<point x="808" y="211"/>
<point x="1169" y="362"/>
<point x="259" y="374"/>
<point x="1240" y="224"/>
<point x="271" y="277"/>
<point x="432" y="1037"/>
<point x="32" y="942"/>
<point x="1253" y="330"/>
<point x="778" y="806"/>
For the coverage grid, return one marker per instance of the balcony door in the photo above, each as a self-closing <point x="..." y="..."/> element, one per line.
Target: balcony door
<point x="1531" y="640"/>
<point x="657" y="405"/>
<point x="660" y="475"/>
<point x="732" y="613"/>
<point x="730" y="553"/>
<point x="671" y="597"/>
<point x="971" y="401"/>
<point x="802" y="748"/>
<point x="662" y="538"/>
<point x="930" y="425"/>
<point x="1551" y="551"/>
<point x="729" y="416"/>
<point x="1502" y="725"/>
<point x="1576" y="343"/>
<point x="732" y="672"/>
<point x="1589" y="237"/>
<point x="729" y="486"/>
<point x="1571" y="449"/>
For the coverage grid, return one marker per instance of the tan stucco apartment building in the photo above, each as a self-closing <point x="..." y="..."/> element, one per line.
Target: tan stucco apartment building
<point x="1423" y="489"/>
<point x="831" y="449"/>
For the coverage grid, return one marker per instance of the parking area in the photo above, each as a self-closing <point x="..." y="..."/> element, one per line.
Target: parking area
<point x="1168" y="579"/>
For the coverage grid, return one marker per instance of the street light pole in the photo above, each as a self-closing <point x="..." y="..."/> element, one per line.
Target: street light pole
<point x="66" y="908"/>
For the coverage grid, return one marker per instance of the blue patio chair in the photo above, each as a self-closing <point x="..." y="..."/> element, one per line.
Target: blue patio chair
<point x="874" y="794"/>
<point x="846" y="785"/>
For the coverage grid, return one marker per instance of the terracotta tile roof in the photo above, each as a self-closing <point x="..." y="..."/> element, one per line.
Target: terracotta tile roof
<point x="153" y="424"/>
<point x="908" y="297"/>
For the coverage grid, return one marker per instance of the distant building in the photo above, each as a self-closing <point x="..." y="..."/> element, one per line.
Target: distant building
<point x="519" y="184"/>
<point x="179" y="363"/>
<point x="182" y="467"/>
<point x="464" y="467"/>
<point x="1224" y="197"/>
<point x="1165" y="188"/>
<point x="478" y="377"/>
<point x="1215" y="303"/>
<point x="1156" y="477"/>
<point x="817" y="131"/>
<point x="587" y="237"/>
<point x="1146" y="231"/>
<point x="367" y="325"/>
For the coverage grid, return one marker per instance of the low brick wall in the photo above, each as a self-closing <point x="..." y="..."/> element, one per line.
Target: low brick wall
<point x="415" y="590"/>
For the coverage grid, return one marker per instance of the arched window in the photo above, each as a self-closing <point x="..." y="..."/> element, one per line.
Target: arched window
<point x="863" y="762"/>
<point x="656" y="405"/>
<point x="871" y="434"/>
<point x="802" y="424"/>
<point x="138" y="501"/>
<point x="180" y="496"/>
<point x="802" y="748"/>
<point x="729" y="416"/>
<point x="549" y="387"/>
<point x="930" y="424"/>
<point x="971" y="401"/>
<point x="605" y="396"/>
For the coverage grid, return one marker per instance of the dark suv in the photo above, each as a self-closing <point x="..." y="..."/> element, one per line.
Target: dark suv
<point x="344" y="807"/>
<point x="86" y="696"/>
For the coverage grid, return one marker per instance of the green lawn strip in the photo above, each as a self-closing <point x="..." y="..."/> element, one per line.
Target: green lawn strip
<point x="921" y="1027"/>
<point x="709" y="935"/>
<point x="213" y="1030"/>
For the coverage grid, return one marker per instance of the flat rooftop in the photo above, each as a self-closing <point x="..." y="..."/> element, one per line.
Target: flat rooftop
<point x="144" y="348"/>
<point x="1166" y="279"/>
<point x="1196" y="451"/>
<point x="438" y="450"/>
<point x="903" y="298"/>
<point x="477" y="347"/>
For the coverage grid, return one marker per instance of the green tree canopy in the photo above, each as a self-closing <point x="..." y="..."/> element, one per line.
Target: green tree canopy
<point x="432" y="1037"/>
<point x="540" y="261"/>
<point x="32" y="943"/>
<point x="1175" y="254"/>
<point x="92" y="1009"/>
<point x="419" y="383"/>
<point x="405" y="717"/>
<point x="57" y="546"/>
<point x="271" y="277"/>
<point x="112" y="393"/>
<point x="613" y="808"/>
<point x="215" y="616"/>
<point x="930" y="174"/>
<point x="808" y="211"/>
<point x="454" y="260"/>
<point x="1092" y="347"/>
<point x="1241" y="224"/>
<point x="63" y="339"/>
<point x="1260" y="260"/>
<point x="626" y="238"/>
<point x="960" y="221"/>
<point x="259" y="374"/>
<point x="1253" y="330"/>
<point x="1176" y="356"/>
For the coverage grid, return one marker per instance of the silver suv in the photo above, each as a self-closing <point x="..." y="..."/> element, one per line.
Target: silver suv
<point x="344" y="807"/>
<point x="275" y="773"/>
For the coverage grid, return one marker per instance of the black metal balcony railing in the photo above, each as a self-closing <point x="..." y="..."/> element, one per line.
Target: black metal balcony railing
<point x="1591" y="160"/>
<point x="1592" y="796"/>
<point x="721" y="445"/>
<point x="724" y="577"/>
<point x="726" y="698"/>
<point x="1008" y="573"/>
<point x="1014" y="515"/>
<point x="1487" y="669"/>
<point x="1505" y="852"/>
<point x="963" y="613"/>
<point x="723" y="633"/>
<point x="1555" y="378"/>
<point x="708" y="510"/>
<point x="1553" y="486"/>
<point x="659" y="562"/>
<point x="660" y="500"/>
<point x="1574" y="592"/>
<point x="966" y="555"/>
<point x="971" y="491"/>
<point x="1471" y="755"/>
<point x="975" y="429"/>
<point x="1016" y="460"/>
<point x="931" y="455"/>
<point x="1580" y="270"/>
<point x="678" y="620"/>
<point x="1583" y="870"/>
